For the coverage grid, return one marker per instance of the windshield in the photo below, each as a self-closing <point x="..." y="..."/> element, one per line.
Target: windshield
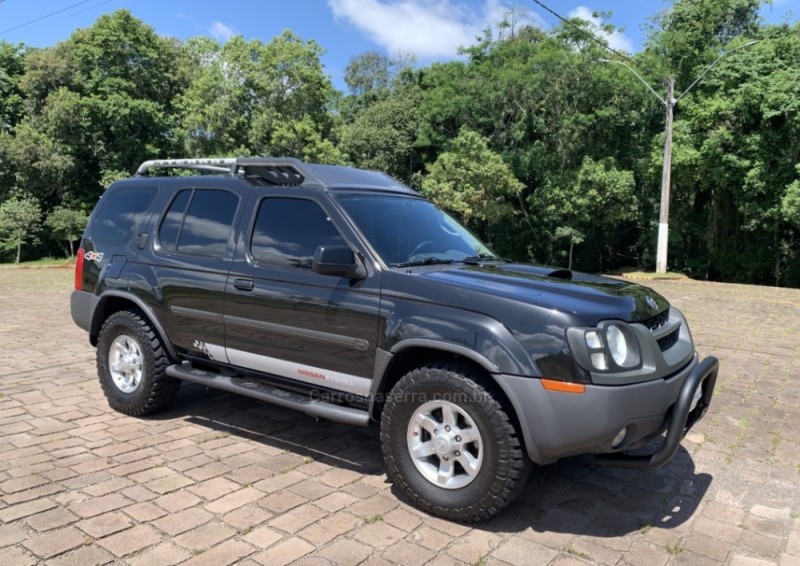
<point x="407" y="231"/>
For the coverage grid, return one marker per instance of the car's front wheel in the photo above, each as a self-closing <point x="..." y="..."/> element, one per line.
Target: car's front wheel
<point x="449" y="444"/>
<point x="131" y="364"/>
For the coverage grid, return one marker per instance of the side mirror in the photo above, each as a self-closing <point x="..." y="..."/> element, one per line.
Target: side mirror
<point x="338" y="260"/>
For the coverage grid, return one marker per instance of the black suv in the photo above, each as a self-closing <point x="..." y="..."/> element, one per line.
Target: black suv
<point x="344" y="294"/>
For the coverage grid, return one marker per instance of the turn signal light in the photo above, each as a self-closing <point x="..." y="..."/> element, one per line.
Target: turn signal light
<point x="563" y="386"/>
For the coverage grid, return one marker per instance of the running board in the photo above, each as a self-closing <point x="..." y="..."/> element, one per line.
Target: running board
<point x="264" y="392"/>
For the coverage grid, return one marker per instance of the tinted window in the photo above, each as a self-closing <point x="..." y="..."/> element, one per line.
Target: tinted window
<point x="173" y="220"/>
<point x="403" y="229"/>
<point x="208" y="223"/>
<point x="288" y="231"/>
<point x="120" y="213"/>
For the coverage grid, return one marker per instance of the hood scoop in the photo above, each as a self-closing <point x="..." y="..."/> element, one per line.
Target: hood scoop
<point x="541" y="270"/>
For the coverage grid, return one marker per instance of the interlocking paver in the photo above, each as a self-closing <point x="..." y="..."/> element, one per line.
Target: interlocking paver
<point x="234" y="480"/>
<point x="284" y="553"/>
<point x="205" y="536"/>
<point x="55" y="542"/>
<point x="226" y="553"/>
<point x="85" y="556"/>
<point x="131" y="540"/>
<point x="51" y="519"/>
<point x="106" y="524"/>
<point x="164" y="554"/>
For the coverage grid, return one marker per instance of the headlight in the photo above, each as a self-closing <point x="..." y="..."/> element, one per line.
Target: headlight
<point x="617" y="345"/>
<point x="611" y="346"/>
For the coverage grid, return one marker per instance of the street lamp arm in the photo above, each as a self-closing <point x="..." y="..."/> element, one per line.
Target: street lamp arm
<point x="632" y="70"/>
<point x="707" y="69"/>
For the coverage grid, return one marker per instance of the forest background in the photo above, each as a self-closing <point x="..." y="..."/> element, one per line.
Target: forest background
<point x="537" y="144"/>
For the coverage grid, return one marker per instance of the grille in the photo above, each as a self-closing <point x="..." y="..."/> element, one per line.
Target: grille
<point x="668" y="341"/>
<point x="656" y="322"/>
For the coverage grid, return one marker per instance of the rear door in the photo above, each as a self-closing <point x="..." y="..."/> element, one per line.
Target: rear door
<point x="188" y="265"/>
<point x="284" y="319"/>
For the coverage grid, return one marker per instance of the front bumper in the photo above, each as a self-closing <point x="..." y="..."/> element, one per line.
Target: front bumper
<point x="680" y="421"/>
<point x="555" y="425"/>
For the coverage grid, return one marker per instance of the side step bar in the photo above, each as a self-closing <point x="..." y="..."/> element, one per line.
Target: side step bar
<point x="264" y="392"/>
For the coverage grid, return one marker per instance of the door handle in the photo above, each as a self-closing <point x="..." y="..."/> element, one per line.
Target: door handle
<point x="244" y="284"/>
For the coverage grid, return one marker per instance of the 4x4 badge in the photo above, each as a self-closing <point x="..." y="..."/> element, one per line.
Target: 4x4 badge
<point x="93" y="256"/>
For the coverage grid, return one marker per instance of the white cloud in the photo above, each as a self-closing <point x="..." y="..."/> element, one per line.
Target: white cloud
<point x="427" y="29"/>
<point x="221" y="32"/>
<point x="616" y="40"/>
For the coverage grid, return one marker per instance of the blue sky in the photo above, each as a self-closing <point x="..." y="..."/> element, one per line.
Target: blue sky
<point x="432" y="29"/>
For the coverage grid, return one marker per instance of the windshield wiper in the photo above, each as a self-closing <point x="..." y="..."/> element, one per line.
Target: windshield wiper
<point x="424" y="261"/>
<point x="480" y="257"/>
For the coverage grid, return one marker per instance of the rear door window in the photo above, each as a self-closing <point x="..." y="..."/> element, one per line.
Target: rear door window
<point x="199" y="223"/>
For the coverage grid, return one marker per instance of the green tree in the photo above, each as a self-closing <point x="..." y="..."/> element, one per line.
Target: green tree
<point x="473" y="182"/>
<point x="690" y="33"/>
<point x="248" y="97"/>
<point x="100" y="101"/>
<point x="19" y="217"/>
<point x="368" y="72"/>
<point x="12" y="67"/>
<point x="383" y="135"/>
<point x="574" y="236"/>
<point x="600" y="197"/>
<point x="790" y="204"/>
<point x="67" y="224"/>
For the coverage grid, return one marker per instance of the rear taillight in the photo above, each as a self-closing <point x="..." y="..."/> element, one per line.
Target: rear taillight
<point x="79" y="270"/>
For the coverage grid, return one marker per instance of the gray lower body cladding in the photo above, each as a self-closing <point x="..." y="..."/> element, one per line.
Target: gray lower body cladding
<point x="81" y="307"/>
<point x="555" y="425"/>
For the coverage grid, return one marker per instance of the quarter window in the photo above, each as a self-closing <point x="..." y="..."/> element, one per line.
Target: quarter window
<point x="288" y="231"/>
<point x="123" y="210"/>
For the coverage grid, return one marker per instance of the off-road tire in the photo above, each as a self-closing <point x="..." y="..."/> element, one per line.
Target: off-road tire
<point x="505" y="467"/>
<point x="156" y="389"/>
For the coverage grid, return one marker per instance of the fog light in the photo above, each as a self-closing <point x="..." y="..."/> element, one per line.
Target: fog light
<point x="620" y="437"/>
<point x="599" y="361"/>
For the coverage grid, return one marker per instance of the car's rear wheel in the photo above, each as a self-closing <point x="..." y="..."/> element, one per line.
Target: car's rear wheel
<point x="131" y="364"/>
<point x="449" y="444"/>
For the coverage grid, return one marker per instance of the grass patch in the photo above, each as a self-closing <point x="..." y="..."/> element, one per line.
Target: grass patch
<point x="644" y="529"/>
<point x="373" y="519"/>
<point x="675" y="549"/>
<point x="44" y="262"/>
<point x="650" y="275"/>
<point x="198" y="551"/>
<point x="578" y="553"/>
<point x="480" y="561"/>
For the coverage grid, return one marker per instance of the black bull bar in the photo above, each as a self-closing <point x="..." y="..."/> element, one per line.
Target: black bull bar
<point x="704" y="375"/>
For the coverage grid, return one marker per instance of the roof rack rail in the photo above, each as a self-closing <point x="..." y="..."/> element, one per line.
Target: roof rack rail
<point x="274" y="170"/>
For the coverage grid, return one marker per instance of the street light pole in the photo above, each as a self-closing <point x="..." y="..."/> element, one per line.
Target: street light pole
<point x="666" y="172"/>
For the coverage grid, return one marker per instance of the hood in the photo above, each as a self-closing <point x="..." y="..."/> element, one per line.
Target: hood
<point x="589" y="297"/>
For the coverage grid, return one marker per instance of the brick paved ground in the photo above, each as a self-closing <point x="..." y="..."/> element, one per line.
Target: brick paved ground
<point x="220" y="479"/>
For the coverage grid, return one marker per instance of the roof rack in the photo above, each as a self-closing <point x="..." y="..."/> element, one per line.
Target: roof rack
<point x="274" y="170"/>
